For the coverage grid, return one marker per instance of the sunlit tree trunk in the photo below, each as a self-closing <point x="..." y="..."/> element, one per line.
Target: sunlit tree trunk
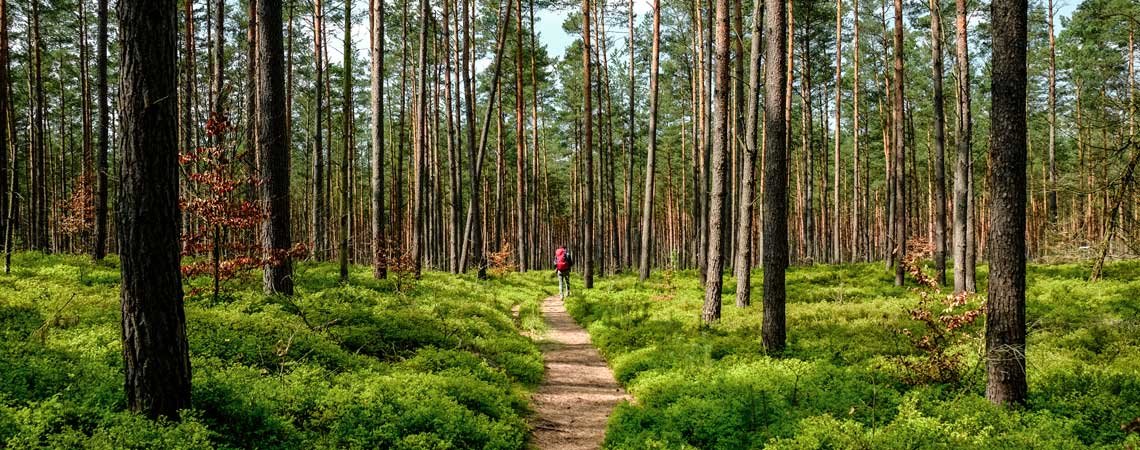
<point x="900" y="229"/>
<point x="651" y="153"/>
<point x="939" y="144"/>
<point x="273" y="149"/>
<point x="775" y="209"/>
<point x="718" y="212"/>
<point x="748" y="170"/>
<point x="346" y="142"/>
<point x="963" y="211"/>
<point x="588" y="149"/>
<point x="1005" y="311"/>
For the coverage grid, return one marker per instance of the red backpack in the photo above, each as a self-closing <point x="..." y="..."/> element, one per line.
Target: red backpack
<point x="562" y="259"/>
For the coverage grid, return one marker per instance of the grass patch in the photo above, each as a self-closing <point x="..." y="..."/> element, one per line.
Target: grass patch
<point x="357" y="366"/>
<point x="839" y="385"/>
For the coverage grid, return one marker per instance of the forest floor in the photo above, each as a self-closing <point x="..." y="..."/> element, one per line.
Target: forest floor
<point x="451" y="361"/>
<point x="579" y="391"/>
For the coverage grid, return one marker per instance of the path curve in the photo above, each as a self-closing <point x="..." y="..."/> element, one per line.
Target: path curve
<point x="579" y="391"/>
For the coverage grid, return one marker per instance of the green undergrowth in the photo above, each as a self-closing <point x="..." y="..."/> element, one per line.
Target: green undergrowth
<point x="358" y="366"/>
<point x="839" y="385"/>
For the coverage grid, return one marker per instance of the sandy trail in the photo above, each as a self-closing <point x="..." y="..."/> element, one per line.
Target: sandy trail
<point x="579" y="392"/>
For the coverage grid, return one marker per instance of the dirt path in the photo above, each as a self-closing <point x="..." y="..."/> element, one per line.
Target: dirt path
<point x="575" y="399"/>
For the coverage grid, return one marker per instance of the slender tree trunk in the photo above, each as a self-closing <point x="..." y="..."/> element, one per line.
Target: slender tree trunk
<point x="7" y="187"/>
<point x="718" y="212"/>
<point x="454" y="155"/>
<point x="380" y="243"/>
<point x="1005" y="318"/>
<point x="1051" y="202"/>
<point x="272" y="147"/>
<point x="651" y="153"/>
<point x="155" y="351"/>
<point x="900" y="148"/>
<point x="317" y="227"/>
<point x="421" y="148"/>
<point x="99" y="250"/>
<point x="858" y="227"/>
<point x="346" y="141"/>
<point x="939" y="144"/>
<point x="963" y="130"/>
<point x="836" y="252"/>
<point x="775" y="207"/>
<point x="629" y="153"/>
<point x="520" y="150"/>
<point x="217" y="78"/>
<point x="748" y="171"/>
<point x="588" y="149"/>
<point x="38" y="160"/>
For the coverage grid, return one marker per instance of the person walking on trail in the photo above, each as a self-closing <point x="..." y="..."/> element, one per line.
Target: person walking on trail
<point x="563" y="262"/>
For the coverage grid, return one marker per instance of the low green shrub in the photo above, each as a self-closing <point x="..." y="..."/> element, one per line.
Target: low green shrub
<point x="442" y="365"/>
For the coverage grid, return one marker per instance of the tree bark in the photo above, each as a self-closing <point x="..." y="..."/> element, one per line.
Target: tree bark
<point x="317" y="217"/>
<point x="272" y="148"/>
<point x="964" y="133"/>
<point x="99" y="250"/>
<point x="775" y="209"/>
<point x="1051" y="201"/>
<point x="346" y="142"/>
<point x="421" y="148"/>
<point x="836" y="251"/>
<point x="718" y="212"/>
<point x="588" y="149"/>
<point x="379" y="235"/>
<point x="217" y="78"/>
<point x="748" y="170"/>
<point x="6" y="174"/>
<point x="1005" y="317"/>
<point x="939" y="144"/>
<point x="155" y="351"/>
<point x="520" y="150"/>
<point x="651" y="153"/>
<point x="900" y="228"/>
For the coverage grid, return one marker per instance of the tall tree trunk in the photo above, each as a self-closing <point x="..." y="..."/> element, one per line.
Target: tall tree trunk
<point x="217" y="78"/>
<point x="900" y="228"/>
<point x="317" y="215"/>
<point x="963" y="131"/>
<point x="836" y="252"/>
<point x="86" y="176"/>
<point x="748" y="171"/>
<point x="99" y="250"/>
<point x="858" y="228"/>
<point x="775" y="208"/>
<point x="380" y="242"/>
<point x="421" y="147"/>
<point x="587" y="148"/>
<point x="273" y="149"/>
<point x="1005" y="317"/>
<point x="651" y="153"/>
<point x="454" y="155"/>
<point x="7" y="188"/>
<point x="346" y="141"/>
<point x="718" y="213"/>
<point x="155" y="351"/>
<point x="1051" y="202"/>
<point x="520" y="149"/>
<point x="939" y="145"/>
<point x="38" y="161"/>
<point x="632" y="135"/>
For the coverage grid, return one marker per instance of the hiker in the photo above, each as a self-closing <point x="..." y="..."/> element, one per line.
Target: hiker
<point x="563" y="262"/>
